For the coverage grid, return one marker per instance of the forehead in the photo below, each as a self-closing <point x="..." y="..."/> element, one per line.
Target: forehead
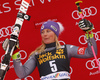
<point x="47" y="30"/>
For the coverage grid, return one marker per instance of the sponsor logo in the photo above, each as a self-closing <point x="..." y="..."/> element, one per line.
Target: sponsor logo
<point x="87" y="12"/>
<point x="42" y="27"/>
<point x="6" y="31"/>
<point x="53" y="27"/>
<point x="27" y="78"/>
<point x="38" y="24"/>
<point x="82" y="38"/>
<point x="5" y="7"/>
<point x="81" y="50"/>
<point x="91" y="64"/>
<point x="60" y="51"/>
<point x="26" y="17"/>
<point x="23" y="56"/>
<point x="49" y="56"/>
<point x="58" y="75"/>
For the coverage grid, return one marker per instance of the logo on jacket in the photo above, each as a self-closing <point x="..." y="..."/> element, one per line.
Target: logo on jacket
<point x="60" y="51"/>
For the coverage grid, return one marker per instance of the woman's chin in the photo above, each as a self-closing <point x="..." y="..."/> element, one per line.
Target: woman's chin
<point x="47" y="42"/>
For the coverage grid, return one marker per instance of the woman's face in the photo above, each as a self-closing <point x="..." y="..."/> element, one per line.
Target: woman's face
<point x="48" y="36"/>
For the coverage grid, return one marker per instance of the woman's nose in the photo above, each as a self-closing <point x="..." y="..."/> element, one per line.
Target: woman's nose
<point x="45" y="33"/>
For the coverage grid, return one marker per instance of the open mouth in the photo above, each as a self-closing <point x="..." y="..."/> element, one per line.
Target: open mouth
<point x="46" y="38"/>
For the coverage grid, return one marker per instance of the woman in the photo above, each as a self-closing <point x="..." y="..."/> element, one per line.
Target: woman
<point x="52" y="59"/>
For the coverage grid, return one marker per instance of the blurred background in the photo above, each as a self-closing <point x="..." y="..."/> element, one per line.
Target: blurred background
<point x="63" y="11"/>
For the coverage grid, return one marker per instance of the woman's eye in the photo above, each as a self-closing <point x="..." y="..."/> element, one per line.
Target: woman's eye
<point x="48" y="30"/>
<point x="42" y="32"/>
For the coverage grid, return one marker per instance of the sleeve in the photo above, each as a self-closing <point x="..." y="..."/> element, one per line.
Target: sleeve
<point x="23" y="71"/>
<point x="82" y="52"/>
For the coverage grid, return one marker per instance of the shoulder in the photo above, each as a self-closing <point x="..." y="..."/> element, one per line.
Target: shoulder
<point x="63" y="46"/>
<point x="33" y="55"/>
<point x="68" y="46"/>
